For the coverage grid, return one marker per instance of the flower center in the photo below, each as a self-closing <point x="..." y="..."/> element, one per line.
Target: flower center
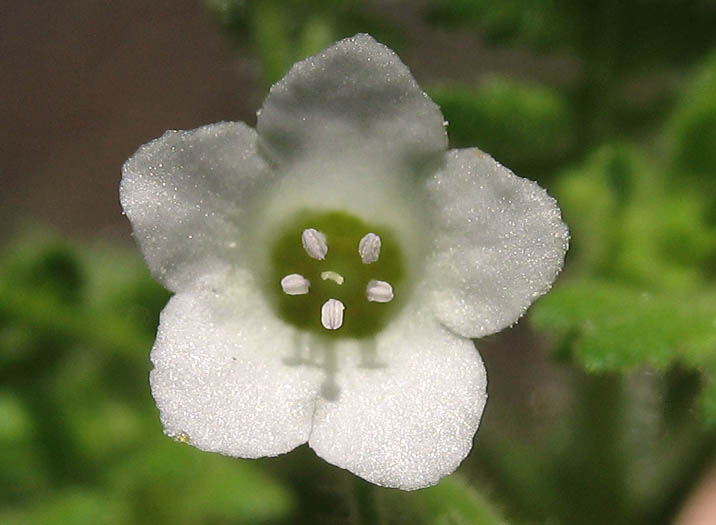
<point x="333" y="274"/>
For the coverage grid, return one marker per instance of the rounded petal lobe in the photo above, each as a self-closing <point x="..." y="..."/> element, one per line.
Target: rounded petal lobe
<point x="220" y="379"/>
<point x="355" y="102"/>
<point x="408" y="417"/>
<point x="499" y="243"/>
<point x="185" y="193"/>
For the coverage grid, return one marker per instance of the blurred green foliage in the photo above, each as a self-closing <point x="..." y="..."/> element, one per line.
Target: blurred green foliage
<point x="281" y="33"/>
<point x="692" y="138"/>
<point x="80" y="439"/>
<point x="451" y="502"/>
<point x="529" y="125"/>
<point x="626" y="143"/>
<point x="641" y="32"/>
<point x="642" y="260"/>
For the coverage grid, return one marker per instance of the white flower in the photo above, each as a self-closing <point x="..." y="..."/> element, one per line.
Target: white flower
<point x="330" y="269"/>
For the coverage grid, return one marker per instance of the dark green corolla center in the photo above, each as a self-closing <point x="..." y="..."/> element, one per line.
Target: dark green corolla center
<point x="341" y="275"/>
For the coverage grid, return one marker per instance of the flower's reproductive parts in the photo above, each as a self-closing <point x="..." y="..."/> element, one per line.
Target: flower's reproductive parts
<point x="336" y="275"/>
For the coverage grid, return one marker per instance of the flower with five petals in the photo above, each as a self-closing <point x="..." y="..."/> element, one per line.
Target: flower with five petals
<point x="330" y="269"/>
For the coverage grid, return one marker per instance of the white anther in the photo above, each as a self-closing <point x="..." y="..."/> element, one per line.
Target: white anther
<point x="314" y="242"/>
<point x="333" y="276"/>
<point x="379" y="291"/>
<point x="332" y="314"/>
<point x="295" y="284"/>
<point x="369" y="248"/>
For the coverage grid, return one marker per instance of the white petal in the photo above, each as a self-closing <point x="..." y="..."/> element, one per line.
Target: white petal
<point x="219" y="378"/>
<point x="500" y="243"/>
<point x="409" y="422"/>
<point x="355" y="101"/>
<point x="185" y="194"/>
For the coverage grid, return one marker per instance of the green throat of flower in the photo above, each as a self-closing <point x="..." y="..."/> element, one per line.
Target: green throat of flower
<point x="335" y="275"/>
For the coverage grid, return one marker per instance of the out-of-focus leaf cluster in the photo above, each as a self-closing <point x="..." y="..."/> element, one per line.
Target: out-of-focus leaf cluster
<point x="648" y="31"/>
<point x="529" y="125"/>
<point x="691" y="136"/>
<point x="285" y="31"/>
<point x="640" y="287"/>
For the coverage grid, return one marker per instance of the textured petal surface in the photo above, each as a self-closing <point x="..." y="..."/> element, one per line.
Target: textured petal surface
<point x="499" y="243"/>
<point x="410" y="417"/>
<point x="219" y="378"/>
<point x="354" y="102"/>
<point x="185" y="193"/>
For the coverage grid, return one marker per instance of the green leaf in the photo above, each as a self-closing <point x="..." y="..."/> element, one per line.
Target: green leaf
<point x="692" y="131"/>
<point x="450" y="502"/>
<point x="708" y="397"/>
<point x="80" y="506"/>
<point x="607" y="326"/>
<point x="317" y="34"/>
<point x="453" y="501"/>
<point x="174" y="483"/>
<point x="542" y="24"/>
<point x="282" y="32"/>
<point x="272" y="43"/>
<point x="53" y="288"/>
<point x="643" y="32"/>
<point x="46" y="265"/>
<point x="617" y="327"/>
<point x="625" y="224"/>
<point x="526" y="127"/>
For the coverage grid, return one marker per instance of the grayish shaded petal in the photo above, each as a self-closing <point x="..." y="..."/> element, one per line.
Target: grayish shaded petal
<point x="185" y="194"/>
<point x="355" y="102"/>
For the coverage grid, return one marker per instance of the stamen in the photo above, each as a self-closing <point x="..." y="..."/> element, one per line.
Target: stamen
<point x="314" y="242"/>
<point x="333" y="276"/>
<point x="332" y="314"/>
<point x="379" y="291"/>
<point x="295" y="284"/>
<point x="369" y="248"/>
